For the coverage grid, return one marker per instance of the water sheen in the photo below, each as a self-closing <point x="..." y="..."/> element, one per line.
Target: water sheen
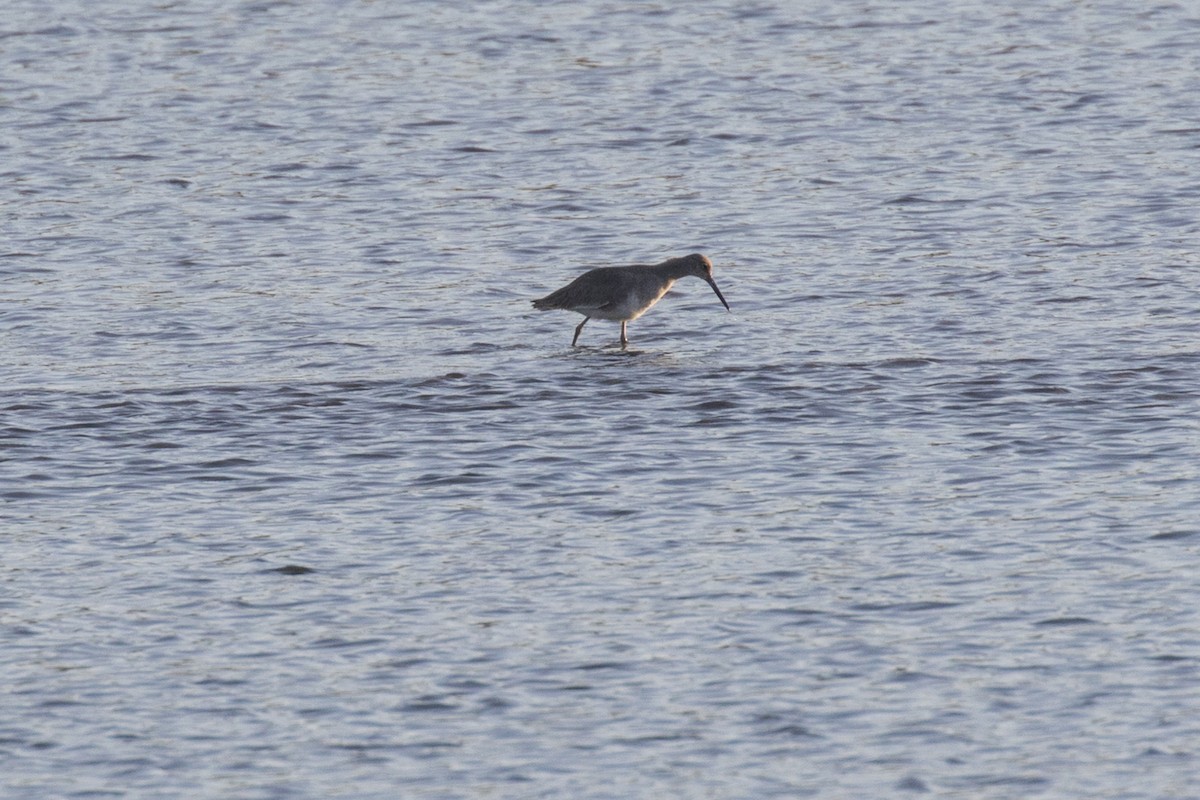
<point x="300" y="499"/>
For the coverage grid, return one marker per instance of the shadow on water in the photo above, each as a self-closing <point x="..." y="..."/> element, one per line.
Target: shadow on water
<point x="615" y="355"/>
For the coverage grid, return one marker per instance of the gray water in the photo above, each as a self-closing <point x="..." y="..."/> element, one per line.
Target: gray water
<point x="301" y="499"/>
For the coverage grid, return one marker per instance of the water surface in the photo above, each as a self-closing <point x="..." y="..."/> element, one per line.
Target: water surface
<point x="301" y="498"/>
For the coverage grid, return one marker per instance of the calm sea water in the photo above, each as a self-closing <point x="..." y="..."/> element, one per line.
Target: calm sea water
<point x="300" y="499"/>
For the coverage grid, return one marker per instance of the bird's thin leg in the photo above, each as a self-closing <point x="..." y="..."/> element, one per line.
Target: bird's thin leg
<point x="624" y="338"/>
<point x="577" y="330"/>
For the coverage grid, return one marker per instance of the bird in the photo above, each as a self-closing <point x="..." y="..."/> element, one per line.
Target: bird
<point x="625" y="293"/>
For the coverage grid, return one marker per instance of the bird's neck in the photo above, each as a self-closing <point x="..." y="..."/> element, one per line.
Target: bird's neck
<point x="674" y="269"/>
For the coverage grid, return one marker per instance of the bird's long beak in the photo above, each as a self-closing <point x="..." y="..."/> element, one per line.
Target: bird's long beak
<point x="720" y="296"/>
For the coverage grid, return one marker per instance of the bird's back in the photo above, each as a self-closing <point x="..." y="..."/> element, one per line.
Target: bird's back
<point x="595" y="289"/>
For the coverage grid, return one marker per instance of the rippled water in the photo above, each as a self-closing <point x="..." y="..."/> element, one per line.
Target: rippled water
<point x="301" y="499"/>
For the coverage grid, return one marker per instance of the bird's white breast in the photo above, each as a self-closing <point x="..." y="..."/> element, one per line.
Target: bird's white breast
<point x="633" y="304"/>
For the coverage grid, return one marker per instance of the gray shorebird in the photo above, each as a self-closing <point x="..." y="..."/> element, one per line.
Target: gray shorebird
<point x="625" y="293"/>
